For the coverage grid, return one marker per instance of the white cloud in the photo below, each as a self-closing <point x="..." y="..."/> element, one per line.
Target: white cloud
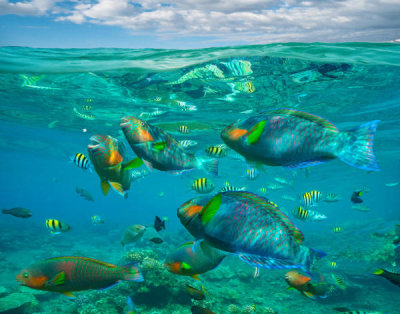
<point x="252" y="21"/>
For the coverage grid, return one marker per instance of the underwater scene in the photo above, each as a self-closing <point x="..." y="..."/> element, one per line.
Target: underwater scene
<point x="249" y="179"/>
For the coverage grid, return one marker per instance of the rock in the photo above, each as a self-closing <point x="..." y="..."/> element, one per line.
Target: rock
<point x="3" y="290"/>
<point x="16" y="301"/>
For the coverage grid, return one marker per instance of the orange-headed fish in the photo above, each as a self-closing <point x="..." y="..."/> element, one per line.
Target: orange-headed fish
<point x="107" y="156"/>
<point x="305" y="286"/>
<point x="74" y="273"/>
<point x="188" y="262"/>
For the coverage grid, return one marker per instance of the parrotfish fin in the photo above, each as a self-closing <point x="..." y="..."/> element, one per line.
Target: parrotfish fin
<point x="266" y="262"/>
<point x="186" y="265"/>
<point x="307" y="116"/>
<point x="58" y="279"/>
<point x="131" y="305"/>
<point x="255" y="133"/>
<point x="308" y="295"/>
<point x="148" y="165"/>
<point x="211" y="208"/>
<point x="118" y="187"/>
<point x="196" y="277"/>
<point x="360" y="153"/>
<point x="304" y="164"/>
<point x="185" y="244"/>
<point x="105" y="187"/>
<point x="134" y="163"/>
<point x="68" y="294"/>
<point x="378" y="272"/>
<point x="160" y="146"/>
<point x="131" y="272"/>
<point x="211" y="166"/>
<point x="290" y="288"/>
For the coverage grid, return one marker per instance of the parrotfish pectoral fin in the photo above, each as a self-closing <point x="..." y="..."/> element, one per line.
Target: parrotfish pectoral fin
<point x="256" y="132"/>
<point x="266" y="262"/>
<point x="131" y="272"/>
<point x="360" y="153"/>
<point x="211" y="208"/>
<point x="196" y="277"/>
<point x="117" y="187"/>
<point x="211" y="166"/>
<point x="134" y="163"/>
<point x="105" y="187"/>
<point x="378" y="272"/>
<point x="58" y="279"/>
<point x="68" y="294"/>
<point x="160" y="146"/>
<point x="308" y="295"/>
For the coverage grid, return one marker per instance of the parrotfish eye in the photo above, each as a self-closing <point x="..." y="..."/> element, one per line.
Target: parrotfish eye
<point x="26" y="275"/>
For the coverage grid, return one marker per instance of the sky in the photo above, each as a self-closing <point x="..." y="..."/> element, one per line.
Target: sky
<point x="194" y="23"/>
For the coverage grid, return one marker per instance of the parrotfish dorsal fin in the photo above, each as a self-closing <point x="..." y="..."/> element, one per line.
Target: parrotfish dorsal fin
<point x="256" y="131"/>
<point x="307" y="116"/>
<point x="76" y="258"/>
<point x="211" y="208"/>
<point x="274" y="210"/>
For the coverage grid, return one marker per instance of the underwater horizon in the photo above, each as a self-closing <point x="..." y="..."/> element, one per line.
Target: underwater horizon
<point x="52" y="101"/>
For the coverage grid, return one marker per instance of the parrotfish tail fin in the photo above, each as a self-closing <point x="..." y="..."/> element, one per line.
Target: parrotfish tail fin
<point x="314" y="256"/>
<point x="131" y="272"/>
<point x="360" y="153"/>
<point x="211" y="166"/>
<point x="131" y="305"/>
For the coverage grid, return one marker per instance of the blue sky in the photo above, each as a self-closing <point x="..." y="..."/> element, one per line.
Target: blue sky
<point x="194" y="23"/>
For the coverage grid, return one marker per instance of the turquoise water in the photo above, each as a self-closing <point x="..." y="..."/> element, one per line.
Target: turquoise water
<point x="52" y="101"/>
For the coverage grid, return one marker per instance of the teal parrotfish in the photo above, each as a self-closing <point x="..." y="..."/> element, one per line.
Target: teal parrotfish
<point x="160" y="150"/>
<point x="67" y="274"/>
<point x="249" y="226"/>
<point x="185" y="261"/>
<point x="107" y="155"/>
<point x="295" y="139"/>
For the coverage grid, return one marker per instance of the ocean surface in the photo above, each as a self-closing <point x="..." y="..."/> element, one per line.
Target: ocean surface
<point x="53" y="100"/>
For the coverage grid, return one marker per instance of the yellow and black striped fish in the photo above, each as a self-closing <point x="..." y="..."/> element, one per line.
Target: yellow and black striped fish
<point x="55" y="226"/>
<point x="337" y="229"/>
<point x="339" y="281"/>
<point x="252" y="173"/>
<point x="183" y="129"/>
<point x="333" y="264"/>
<point x="81" y="161"/>
<point x="311" y="198"/>
<point x="215" y="151"/>
<point x="203" y="185"/>
<point x="300" y="213"/>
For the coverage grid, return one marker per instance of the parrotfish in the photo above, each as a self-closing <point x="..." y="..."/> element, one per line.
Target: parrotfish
<point x="17" y="212"/>
<point x="295" y="139"/>
<point x="188" y="262"/>
<point x="160" y="150"/>
<point x="306" y="287"/>
<point x="107" y="155"/>
<point x="249" y="226"/>
<point x="74" y="273"/>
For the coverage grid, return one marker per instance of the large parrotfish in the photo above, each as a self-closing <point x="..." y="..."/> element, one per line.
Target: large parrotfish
<point x="107" y="155"/>
<point x="250" y="226"/>
<point x="74" y="273"/>
<point x="296" y="139"/>
<point x="160" y="150"/>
